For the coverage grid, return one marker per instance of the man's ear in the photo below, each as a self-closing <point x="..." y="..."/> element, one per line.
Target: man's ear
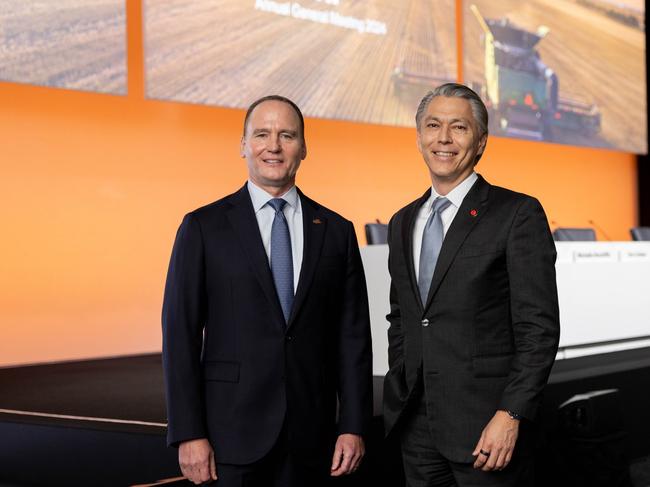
<point x="303" y="152"/>
<point x="242" y="144"/>
<point x="418" y="141"/>
<point x="482" y="144"/>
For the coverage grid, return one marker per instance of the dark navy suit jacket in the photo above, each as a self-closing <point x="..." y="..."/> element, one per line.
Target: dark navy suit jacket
<point x="234" y="370"/>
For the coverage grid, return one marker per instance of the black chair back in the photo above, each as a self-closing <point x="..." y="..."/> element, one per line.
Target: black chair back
<point x="376" y="233"/>
<point x="640" y="233"/>
<point x="574" y="235"/>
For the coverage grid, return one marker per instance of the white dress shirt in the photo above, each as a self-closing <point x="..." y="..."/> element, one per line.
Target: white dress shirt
<point x="292" y="213"/>
<point x="456" y="197"/>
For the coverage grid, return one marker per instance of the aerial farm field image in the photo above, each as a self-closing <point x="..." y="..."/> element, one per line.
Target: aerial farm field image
<point x="567" y="71"/>
<point x="75" y="44"/>
<point x="366" y="61"/>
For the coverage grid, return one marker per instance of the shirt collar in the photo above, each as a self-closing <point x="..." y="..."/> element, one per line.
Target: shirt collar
<point x="456" y="195"/>
<point x="259" y="197"/>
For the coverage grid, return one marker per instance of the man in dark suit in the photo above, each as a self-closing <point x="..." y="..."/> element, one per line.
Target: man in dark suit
<point x="474" y="323"/>
<point x="265" y="325"/>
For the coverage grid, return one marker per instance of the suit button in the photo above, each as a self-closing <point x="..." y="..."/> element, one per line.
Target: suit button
<point x="425" y="322"/>
<point x="289" y="338"/>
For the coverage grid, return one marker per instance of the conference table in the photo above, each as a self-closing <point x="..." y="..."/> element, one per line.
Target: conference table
<point x="603" y="288"/>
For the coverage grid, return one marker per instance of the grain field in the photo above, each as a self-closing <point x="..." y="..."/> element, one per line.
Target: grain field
<point x="77" y="44"/>
<point x="597" y="59"/>
<point x="228" y="53"/>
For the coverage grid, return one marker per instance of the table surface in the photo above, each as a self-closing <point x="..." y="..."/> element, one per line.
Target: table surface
<point x="603" y="288"/>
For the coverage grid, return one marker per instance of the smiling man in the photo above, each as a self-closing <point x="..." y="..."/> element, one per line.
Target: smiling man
<point x="474" y="323"/>
<point x="265" y="326"/>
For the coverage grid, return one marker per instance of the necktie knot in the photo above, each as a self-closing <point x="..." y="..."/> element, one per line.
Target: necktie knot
<point x="277" y="204"/>
<point x="440" y="204"/>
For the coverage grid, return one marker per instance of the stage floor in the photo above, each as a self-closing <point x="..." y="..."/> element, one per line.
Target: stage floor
<point x="109" y="415"/>
<point x="116" y="394"/>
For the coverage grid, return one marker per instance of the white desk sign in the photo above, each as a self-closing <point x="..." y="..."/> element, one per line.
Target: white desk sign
<point x="595" y="256"/>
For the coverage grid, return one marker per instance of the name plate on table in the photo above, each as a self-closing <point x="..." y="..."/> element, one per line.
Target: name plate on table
<point x="595" y="256"/>
<point x="640" y="255"/>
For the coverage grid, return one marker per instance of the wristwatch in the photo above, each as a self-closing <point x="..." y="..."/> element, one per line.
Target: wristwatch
<point x="514" y="415"/>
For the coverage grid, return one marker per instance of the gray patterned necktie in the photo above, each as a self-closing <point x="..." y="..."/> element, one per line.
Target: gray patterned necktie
<point x="281" y="258"/>
<point x="431" y="243"/>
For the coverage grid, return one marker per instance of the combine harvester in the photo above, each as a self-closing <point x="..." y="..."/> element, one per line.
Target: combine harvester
<point x="521" y="92"/>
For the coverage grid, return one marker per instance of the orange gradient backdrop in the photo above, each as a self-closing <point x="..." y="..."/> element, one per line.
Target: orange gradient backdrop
<point x="94" y="186"/>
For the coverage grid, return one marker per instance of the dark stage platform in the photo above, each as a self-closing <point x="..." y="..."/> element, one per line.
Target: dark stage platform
<point x="94" y="422"/>
<point x="102" y="422"/>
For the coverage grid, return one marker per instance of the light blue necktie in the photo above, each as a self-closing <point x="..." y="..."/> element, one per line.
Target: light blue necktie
<point x="281" y="258"/>
<point x="431" y="243"/>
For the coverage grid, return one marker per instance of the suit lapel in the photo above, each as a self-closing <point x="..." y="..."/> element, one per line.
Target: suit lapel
<point x="314" y="226"/>
<point x="242" y="218"/>
<point x="469" y="214"/>
<point x="408" y="225"/>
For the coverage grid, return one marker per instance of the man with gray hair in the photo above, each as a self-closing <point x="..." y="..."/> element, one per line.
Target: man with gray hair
<point x="474" y="321"/>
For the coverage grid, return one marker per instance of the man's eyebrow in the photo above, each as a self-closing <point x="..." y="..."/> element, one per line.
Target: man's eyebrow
<point x="453" y="120"/>
<point x="283" y="131"/>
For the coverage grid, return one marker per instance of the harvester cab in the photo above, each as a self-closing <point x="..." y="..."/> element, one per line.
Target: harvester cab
<point x="520" y="90"/>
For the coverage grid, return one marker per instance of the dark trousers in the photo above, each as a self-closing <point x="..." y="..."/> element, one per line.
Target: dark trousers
<point x="425" y="466"/>
<point x="278" y="468"/>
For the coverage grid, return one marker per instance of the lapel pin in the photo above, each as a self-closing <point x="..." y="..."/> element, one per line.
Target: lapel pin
<point x="316" y="221"/>
<point x="473" y="212"/>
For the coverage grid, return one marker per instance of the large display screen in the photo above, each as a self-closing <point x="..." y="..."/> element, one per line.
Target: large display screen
<point x="76" y="44"/>
<point x="367" y="61"/>
<point x="566" y="71"/>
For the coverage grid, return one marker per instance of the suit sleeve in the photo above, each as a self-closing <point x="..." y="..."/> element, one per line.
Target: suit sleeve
<point x="355" y="346"/>
<point x="395" y="337"/>
<point x="183" y="316"/>
<point x="533" y="306"/>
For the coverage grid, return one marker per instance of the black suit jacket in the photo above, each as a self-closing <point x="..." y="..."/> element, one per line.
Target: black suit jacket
<point x="492" y="320"/>
<point x="234" y="370"/>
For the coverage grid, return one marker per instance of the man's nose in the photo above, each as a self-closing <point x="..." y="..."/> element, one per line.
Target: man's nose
<point x="444" y="136"/>
<point x="273" y="144"/>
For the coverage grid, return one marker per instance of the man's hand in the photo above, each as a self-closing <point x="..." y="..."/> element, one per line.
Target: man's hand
<point x="196" y="460"/>
<point x="348" y="452"/>
<point x="494" y="449"/>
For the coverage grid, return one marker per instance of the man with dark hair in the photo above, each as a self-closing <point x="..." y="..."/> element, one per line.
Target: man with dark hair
<point x="474" y="322"/>
<point x="265" y="325"/>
